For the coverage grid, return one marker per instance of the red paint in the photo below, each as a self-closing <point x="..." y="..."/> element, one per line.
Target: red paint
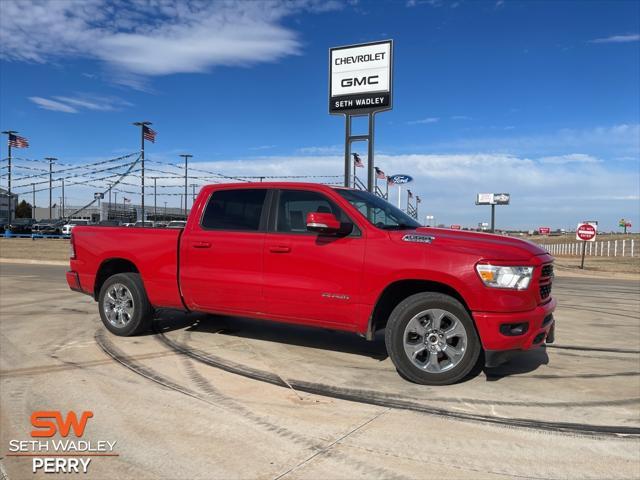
<point x="544" y="230"/>
<point x="321" y="280"/>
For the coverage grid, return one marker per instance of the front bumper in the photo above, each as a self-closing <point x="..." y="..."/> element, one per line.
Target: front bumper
<point x="540" y="327"/>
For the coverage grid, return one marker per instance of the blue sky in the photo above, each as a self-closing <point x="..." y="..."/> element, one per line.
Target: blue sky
<point x="540" y="99"/>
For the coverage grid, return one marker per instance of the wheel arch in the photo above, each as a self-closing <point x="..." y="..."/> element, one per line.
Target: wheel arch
<point x="397" y="291"/>
<point x="110" y="267"/>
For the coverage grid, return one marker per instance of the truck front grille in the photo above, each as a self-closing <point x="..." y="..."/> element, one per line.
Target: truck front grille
<point x="547" y="270"/>
<point x="545" y="291"/>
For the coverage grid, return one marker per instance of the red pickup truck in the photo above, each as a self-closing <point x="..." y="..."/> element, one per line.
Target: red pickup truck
<point x="327" y="257"/>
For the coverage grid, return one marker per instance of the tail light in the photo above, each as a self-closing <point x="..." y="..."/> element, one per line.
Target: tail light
<point x="72" y="248"/>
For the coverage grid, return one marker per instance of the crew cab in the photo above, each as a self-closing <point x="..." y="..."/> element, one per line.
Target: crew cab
<point x="327" y="257"/>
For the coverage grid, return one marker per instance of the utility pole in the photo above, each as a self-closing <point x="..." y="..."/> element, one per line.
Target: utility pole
<point x="33" y="201"/>
<point x="51" y="160"/>
<point x="186" y="157"/>
<point x="63" y="210"/>
<point x="9" y="133"/>
<point x="165" y="210"/>
<point x="142" y="126"/>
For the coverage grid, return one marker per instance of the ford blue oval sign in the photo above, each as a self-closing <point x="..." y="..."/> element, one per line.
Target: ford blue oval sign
<point x="401" y="179"/>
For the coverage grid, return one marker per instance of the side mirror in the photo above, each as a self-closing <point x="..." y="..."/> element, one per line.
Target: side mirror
<point x="322" y="222"/>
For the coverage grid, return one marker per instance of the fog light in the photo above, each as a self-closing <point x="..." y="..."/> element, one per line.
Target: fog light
<point x="514" y="329"/>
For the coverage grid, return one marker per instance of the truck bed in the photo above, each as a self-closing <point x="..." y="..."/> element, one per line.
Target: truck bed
<point x="154" y="251"/>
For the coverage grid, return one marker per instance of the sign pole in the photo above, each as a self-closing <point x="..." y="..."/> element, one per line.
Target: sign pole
<point x="399" y="195"/>
<point x="370" y="162"/>
<point x="584" y="249"/>
<point x="493" y="218"/>
<point x="347" y="150"/>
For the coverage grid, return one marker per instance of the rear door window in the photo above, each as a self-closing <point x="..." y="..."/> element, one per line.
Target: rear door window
<point x="239" y="210"/>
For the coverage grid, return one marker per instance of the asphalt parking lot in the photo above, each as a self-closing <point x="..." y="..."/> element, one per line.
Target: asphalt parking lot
<point x="214" y="397"/>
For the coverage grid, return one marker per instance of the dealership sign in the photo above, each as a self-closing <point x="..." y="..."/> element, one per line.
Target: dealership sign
<point x="544" y="230"/>
<point x="360" y="78"/>
<point x="400" y="179"/>
<point x="456" y="227"/>
<point x="493" y="199"/>
<point x="586" y="232"/>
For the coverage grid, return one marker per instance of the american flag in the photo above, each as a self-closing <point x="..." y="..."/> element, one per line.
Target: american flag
<point x="380" y="174"/>
<point x="390" y="181"/>
<point x="409" y="193"/>
<point x="357" y="161"/>
<point x="149" y="134"/>
<point x="16" y="141"/>
<point x="126" y="200"/>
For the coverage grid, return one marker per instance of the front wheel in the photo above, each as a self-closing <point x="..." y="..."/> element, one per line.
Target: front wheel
<point x="431" y="339"/>
<point x="124" y="307"/>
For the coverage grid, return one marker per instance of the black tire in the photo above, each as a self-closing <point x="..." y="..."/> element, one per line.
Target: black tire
<point x="141" y="312"/>
<point x="400" y="317"/>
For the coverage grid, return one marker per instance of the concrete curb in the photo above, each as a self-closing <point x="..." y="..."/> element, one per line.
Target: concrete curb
<point x="33" y="262"/>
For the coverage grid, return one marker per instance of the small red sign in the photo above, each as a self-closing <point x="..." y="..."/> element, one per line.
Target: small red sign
<point x="544" y="230"/>
<point x="456" y="227"/>
<point x="586" y="232"/>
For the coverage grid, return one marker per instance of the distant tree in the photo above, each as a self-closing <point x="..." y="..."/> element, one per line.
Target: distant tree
<point x="23" y="210"/>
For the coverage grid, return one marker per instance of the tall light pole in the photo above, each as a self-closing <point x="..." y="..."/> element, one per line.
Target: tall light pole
<point x="155" y="200"/>
<point x="51" y="160"/>
<point x="63" y="211"/>
<point x="142" y="126"/>
<point x="186" y="157"/>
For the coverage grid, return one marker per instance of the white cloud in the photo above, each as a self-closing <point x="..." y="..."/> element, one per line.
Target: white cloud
<point x="152" y="37"/>
<point x="618" y="39"/>
<point x="54" y="105"/>
<point x="80" y="102"/>
<point x="570" y="158"/>
<point x="424" y="121"/>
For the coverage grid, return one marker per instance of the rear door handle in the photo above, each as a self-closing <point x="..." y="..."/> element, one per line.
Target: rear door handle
<point x="279" y="249"/>
<point x="201" y="245"/>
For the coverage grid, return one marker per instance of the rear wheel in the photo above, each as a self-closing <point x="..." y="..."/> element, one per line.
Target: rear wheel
<point x="124" y="307"/>
<point x="431" y="339"/>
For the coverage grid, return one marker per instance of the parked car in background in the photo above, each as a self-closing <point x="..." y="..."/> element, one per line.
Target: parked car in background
<point x="47" y="228"/>
<point x="66" y="229"/>
<point x="139" y="223"/>
<point x="21" y="226"/>
<point x="109" y="223"/>
<point x="177" y="224"/>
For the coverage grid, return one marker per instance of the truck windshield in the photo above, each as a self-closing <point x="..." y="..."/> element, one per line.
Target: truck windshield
<point x="378" y="211"/>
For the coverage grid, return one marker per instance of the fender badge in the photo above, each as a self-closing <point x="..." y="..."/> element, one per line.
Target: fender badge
<point x="418" y="238"/>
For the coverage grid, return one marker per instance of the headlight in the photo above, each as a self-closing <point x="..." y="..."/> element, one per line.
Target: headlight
<point x="516" y="278"/>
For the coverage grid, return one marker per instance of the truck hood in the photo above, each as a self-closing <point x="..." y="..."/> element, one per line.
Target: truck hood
<point x="485" y="245"/>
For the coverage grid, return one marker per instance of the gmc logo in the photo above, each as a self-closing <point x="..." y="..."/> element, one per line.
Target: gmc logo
<point x="354" y="82"/>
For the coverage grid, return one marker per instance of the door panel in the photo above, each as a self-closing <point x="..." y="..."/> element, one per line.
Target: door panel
<point x="310" y="277"/>
<point x="221" y="264"/>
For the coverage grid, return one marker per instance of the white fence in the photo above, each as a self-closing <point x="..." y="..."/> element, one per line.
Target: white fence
<point x="605" y="248"/>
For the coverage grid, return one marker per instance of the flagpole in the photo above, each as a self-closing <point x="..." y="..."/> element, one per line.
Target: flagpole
<point x="9" y="133"/>
<point x="399" y="195"/>
<point x="354" y="173"/>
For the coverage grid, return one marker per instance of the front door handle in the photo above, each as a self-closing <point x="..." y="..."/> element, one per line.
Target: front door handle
<point x="201" y="245"/>
<point x="279" y="249"/>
